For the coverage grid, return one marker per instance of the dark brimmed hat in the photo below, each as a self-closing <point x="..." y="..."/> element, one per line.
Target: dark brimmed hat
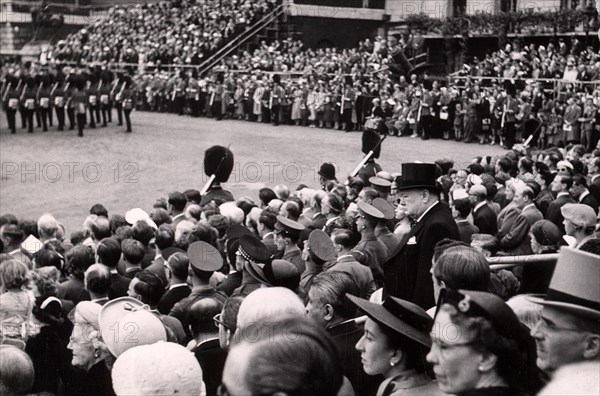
<point x="487" y="305"/>
<point x="369" y="211"/>
<point x="384" y="207"/>
<point x="321" y="247"/>
<point x="288" y="227"/>
<point x="168" y="252"/>
<point x="204" y="257"/>
<point x="380" y="184"/>
<point x="416" y="176"/>
<point x="327" y="171"/>
<point x="218" y="160"/>
<point x="401" y="316"/>
<point x="574" y="285"/>
<point x="282" y="273"/>
<point x="253" y="250"/>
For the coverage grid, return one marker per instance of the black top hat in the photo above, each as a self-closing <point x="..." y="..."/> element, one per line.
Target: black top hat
<point x="415" y="175"/>
<point x="218" y="160"/>
<point x="401" y="316"/>
<point x="327" y="170"/>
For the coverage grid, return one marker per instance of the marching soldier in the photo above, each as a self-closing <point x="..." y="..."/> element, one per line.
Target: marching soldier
<point x="92" y="91"/>
<point x="193" y="94"/>
<point x="217" y="98"/>
<point x="28" y="96"/>
<point x="43" y="99"/>
<point x="277" y="94"/>
<point x="116" y="89"/>
<point x="69" y="106"/>
<point x="79" y="100"/>
<point x="347" y="104"/>
<point x="59" y="98"/>
<point x="128" y="97"/>
<point x="105" y="101"/>
<point x="10" y="100"/>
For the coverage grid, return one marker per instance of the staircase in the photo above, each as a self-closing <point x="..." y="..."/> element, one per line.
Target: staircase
<point x="270" y="27"/>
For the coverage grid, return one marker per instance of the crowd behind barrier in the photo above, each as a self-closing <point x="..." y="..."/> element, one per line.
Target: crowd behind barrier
<point x="208" y="271"/>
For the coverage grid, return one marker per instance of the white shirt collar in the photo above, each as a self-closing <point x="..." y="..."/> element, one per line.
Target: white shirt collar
<point x="177" y="285"/>
<point x="595" y="177"/>
<point x="585" y="193"/>
<point x="267" y="234"/>
<point x="560" y="194"/>
<point x="345" y="255"/>
<point x="479" y="205"/>
<point x="528" y="206"/>
<point x="427" y="210"/>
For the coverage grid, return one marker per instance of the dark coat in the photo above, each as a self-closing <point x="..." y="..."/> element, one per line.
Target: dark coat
<point x="345" y="335"/>
<point x="407" y="271"/>
<point x="466" y="231"/>
<point x="361" y="274"/>
<point x="554" y="215"/>
<point x="172" y="297"/>
<point x="595" y="187"/>
<point x="376" y="253"/>
<point x="543" y="200"/>
<point x="590" y="201"/>
<point x="232" y="281"/>
<point x="118" y="286"/>
<point x="484" y="218"/>
<point x="73" y="290"/>
<point x="216" y="193"/>
<point x="212" y="361"/>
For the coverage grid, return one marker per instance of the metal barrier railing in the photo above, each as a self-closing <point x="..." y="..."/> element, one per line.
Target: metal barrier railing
<point x="507" y="262"/>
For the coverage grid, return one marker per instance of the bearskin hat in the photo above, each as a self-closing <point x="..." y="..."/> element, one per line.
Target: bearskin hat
<point x="218" y="160"/>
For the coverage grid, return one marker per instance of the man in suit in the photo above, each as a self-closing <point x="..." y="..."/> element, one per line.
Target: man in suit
<point x="484" y="217"/>
<point x="407" y="273"/>
<point x="344" y="242"/>
<point x="266" y="227"/>
<point x="561" y="186"/>
<point x="581" y="194"/>
<point x="331" y="310"/>
<point x="594" y="174"/>
<point x="544" y="198"/>
<point x="517" y="241"/>
<point x="108" y="253"/>
<point x="97" y="283"/>
<point x="177" y="202"/>
<point x="176" y="268"/>
<point x="461" y="208"/>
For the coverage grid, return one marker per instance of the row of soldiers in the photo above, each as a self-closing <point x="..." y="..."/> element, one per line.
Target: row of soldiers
<point x="253" y="98"/>
<point x="84" y="98"/>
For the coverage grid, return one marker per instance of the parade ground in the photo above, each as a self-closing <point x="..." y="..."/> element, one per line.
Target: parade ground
<point x="63" y="174"/>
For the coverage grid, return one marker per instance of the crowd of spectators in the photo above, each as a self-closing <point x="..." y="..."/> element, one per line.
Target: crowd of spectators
<point x="165" y="32"/>
<point x="215" y="284"/>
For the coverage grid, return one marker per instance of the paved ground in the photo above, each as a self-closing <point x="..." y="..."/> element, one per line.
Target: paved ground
<point x="60" y="173"/>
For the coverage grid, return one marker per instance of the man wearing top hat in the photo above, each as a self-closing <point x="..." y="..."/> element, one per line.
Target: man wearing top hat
<point x="407" y="271"/>
<point x="287" y="235"/>
<point x="218" y="161"/>
<point x="569" y="331"/>
<point x="204" y="261"/>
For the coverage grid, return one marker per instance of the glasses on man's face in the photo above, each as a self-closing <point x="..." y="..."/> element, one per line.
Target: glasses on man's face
<point x="219" y="322"/>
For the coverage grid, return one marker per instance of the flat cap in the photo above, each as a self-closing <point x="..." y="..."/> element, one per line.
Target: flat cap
<point x="320" y="245"/>
<point x="204" y="257"/>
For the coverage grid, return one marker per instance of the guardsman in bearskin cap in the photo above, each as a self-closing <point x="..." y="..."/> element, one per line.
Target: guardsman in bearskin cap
<point x="105" y="100"/>
<point x="509" y="114"/>
<point x="10" y="100"/>
<point x="58" y="98"/>
<point x="370" y="141"/>
<point x="217" y="97"/>
<point x="70" y="108"/>
<point x="79" y="100"/>
<point x="128" y="99"/>
<point x="347" y="103"/>
<point x="28" y="98"/>
<point x="218" y="161"/>
<point x="43" y="98"/>
<point x="277" y="94"/>
<point x="193" y="94"/>
<point x="426" y="116"/>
